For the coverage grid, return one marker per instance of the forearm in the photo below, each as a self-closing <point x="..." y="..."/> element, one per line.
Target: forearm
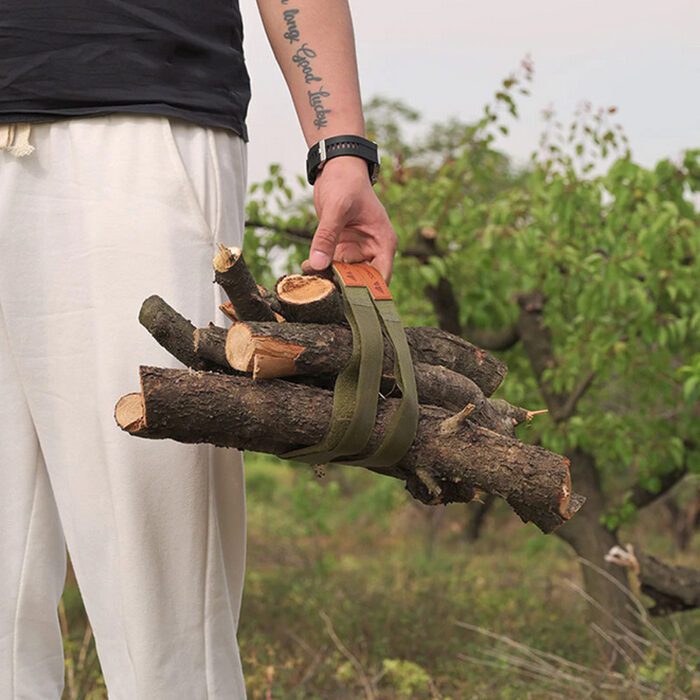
<point x="313" y="42"/>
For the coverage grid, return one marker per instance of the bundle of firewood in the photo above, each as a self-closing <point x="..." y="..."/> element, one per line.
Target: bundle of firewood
<point x="266" y="384"/>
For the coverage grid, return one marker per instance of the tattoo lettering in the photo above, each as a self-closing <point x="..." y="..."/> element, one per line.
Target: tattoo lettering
<point x="315" y="100"/>
<point x="292" y="33"/>
<point x="301" y="58"/>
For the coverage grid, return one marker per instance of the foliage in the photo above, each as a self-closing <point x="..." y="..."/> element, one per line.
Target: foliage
<point x="613" y="246"/>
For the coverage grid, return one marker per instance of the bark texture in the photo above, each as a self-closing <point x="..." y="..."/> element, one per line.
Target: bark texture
<point x="672" y="588"/>
<point x="232" y="273"/>
<point x="279" y="352"/>
<point x="325" y="349"/>
<point x="173" y="332"/>
<point x="210" y="344"/>
<point x="450" y="457"/>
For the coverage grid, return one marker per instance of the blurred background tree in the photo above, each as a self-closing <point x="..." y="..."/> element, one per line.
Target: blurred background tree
<point x="581" y="268"/>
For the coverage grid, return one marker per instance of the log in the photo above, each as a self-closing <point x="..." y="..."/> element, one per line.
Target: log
<point x="270" y="356"/>
<point x="272" y="300"/>
<point x="204" y="348"/>
<point x="210" y="344"/>
<point x="309" y="299"/>
<point x="450" y="457"/>
<point x="173" y="332"/>
<point x="324" y="349"/>
<point x="232" y="273"/>
<point x="673" y="588"/>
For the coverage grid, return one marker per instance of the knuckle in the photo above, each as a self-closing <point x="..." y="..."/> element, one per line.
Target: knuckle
<point x="324" y="236"/>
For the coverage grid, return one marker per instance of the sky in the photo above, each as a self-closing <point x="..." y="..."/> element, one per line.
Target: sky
<point x="446" y="58"/>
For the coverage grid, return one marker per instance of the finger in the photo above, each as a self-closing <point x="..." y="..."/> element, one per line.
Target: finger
<point x="350" y="252"/>
<point x="306" y="269"/>
<point x="326" y="238"/>
<point x="384" y="262"/>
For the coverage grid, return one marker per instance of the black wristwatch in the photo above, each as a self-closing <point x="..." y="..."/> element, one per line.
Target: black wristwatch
<point x="346" y="145"/>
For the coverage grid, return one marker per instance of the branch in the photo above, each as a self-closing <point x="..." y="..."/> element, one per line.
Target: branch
<point x="232" y="273"/>
<point x="446" y="306"/>
<point x="568" y="409"/>
<point x="302" y="235"/>
<point x="537" y="341"/>
<point x="673" y="588"/>
<point x="641" y="497"/>
<point x="450" y="456"/>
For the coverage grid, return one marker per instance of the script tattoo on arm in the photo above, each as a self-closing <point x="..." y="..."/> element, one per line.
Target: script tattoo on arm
<point x="303" y="60"/>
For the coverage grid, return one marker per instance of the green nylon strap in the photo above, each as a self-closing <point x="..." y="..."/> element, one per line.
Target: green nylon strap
<point x="402" y="427"/>
<point x="357" y="388"/>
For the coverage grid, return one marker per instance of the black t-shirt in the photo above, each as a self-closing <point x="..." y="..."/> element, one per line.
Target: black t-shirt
<point x="180" y="58"/>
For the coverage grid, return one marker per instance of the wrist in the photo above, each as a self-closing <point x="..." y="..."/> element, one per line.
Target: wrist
<point x="345" y="165"/>
<point x="350" y="148"/>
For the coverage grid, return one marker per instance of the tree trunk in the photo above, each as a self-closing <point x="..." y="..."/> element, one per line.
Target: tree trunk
<point x="612" y="607"/>
<point x="477" y="516"/>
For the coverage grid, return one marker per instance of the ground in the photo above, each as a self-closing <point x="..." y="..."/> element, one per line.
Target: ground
<point x="353" y="591"/>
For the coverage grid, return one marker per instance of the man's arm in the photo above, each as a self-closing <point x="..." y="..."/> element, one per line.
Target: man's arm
<point x="314" y="45"/>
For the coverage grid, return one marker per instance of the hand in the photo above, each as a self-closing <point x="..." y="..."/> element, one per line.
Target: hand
<point x="353" y="224"/>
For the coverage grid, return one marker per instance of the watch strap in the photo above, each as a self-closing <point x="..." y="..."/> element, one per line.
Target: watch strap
<point x="344" y="145"/>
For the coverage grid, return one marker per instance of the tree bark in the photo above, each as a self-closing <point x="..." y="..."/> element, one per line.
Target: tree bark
<point x="173" y="332"/>
<point x="277" y="351"/>
<point x="591" y="541"/>
<point x="589" y="538"/>
<point x="210" y="344"/>
<point x="232" y="273"/>
<point x="449" y="458"/>
<point x="673" y="588"/>
<point x="325" y="349"/>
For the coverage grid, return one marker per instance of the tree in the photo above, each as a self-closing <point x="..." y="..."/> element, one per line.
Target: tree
<point x="582" y="269"/>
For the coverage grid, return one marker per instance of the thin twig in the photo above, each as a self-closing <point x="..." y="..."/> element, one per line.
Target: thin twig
<point x="69" y="663"/>
<point x="366" y="684"/>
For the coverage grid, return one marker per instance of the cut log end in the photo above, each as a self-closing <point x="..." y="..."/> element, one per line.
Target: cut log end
<point x="265" y="357"/>
<point x="309" y="299"/>
<point x="240" y="348"/>
<point x="303" y="289"/>
<point x="226" y="258"/>
<point x="130" y="413"/>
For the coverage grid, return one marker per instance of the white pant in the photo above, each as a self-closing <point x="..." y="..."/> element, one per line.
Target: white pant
<point x="104" y="212"/>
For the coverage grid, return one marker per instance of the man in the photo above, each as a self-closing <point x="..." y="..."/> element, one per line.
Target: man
<point x="122" y="163"/>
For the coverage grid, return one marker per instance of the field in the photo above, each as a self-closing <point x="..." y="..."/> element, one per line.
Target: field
<point x="353" y="591"/>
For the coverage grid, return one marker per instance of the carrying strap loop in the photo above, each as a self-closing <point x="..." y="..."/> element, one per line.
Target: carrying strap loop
<point x="369" y="309"/>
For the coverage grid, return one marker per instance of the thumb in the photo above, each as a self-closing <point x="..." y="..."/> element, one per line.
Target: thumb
<point x="325" y="240"/>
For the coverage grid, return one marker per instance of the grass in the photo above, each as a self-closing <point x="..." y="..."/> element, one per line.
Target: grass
<point x="354" y="591"/>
